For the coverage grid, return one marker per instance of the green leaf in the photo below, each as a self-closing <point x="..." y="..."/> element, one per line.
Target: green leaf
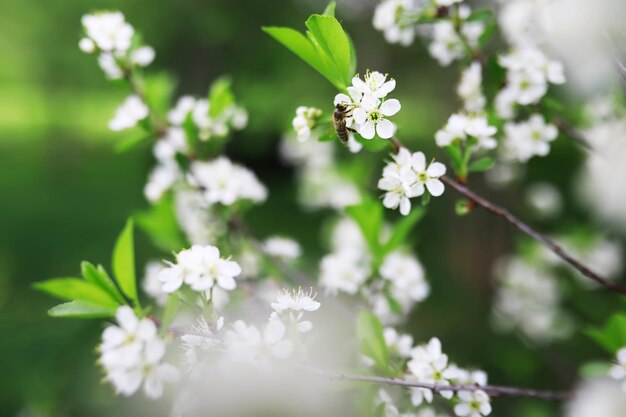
<point x="297" y="43"/>
<point x="613" y="336"/>
<point x="76" y="289"/>
<point x="330" y="9"/>
<point x="171" y="308"/>
<point x="594" y="369"/>
<point x="220" y="96"/>
<point x="124" y="262"/>
<point x="328" y="136"/>
<point x="159" y="90"/>
<point x="78" y="309"/>
<point x="333" y="45"/>
<point x="160" y="224"/>
<point x="480" y="15"/>
<point x="402" y="229"/>
<point x="456" y="156"/>
<point x="482" y="164"/>
<point x="369" y="216"/>
<point x="372" y="340"/>
<point x="102" y="280"/>
<point x="462" y="207"/>
<point x="131" y="142"/>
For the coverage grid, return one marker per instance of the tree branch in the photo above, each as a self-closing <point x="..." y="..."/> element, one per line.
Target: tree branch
<point x="524" y="228"/>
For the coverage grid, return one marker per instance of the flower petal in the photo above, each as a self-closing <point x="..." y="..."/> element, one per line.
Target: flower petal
<point x="385" y="128"/>
<point x="390" y="107"/>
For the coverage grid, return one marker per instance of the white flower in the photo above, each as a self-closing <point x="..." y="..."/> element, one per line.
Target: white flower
<point x="109" y="31"/>
<point x="531" y="138"/>
<point x="161" y="179"/>
<point x="460" y="127"/>
<point x="398" y="344"/>
<point x="343" y="271"/>
<point x="174" y="141"/>
<point x="447" y="46"/>
<point x="305" y="120"/>
<point x="225" y="182"/>
<point x="245" y="343"/>
<point x="151" y="283"/>
<point x="470" y="88"/>
<point x="406" y="275"/>
<point x="129" y="114"/>
<point x="618" y="371"/>
<point x="282" y="247"/>
<point x="428" y="364"/>
<point x="296" y="301"/>
<point x="544" y="199"/>
<point x="87" y="45"/>
<point x="375" y="84"/>
<point x="109" y="65"/>
<point x="428" y="176"/>
<point x="184" y="106"/>
<point x="132" y="353"/>
<point x="527" y="87"/>
<point x="370" y="117"/>
<point x="597" y="397"/>
<point x="201" y="268"/>
<point x="472" y="404"/>
<point x="393" y="17"/>
<point x="142" y="56"/>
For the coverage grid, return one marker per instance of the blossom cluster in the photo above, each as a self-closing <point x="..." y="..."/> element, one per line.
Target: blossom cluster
<point x="368" y="107"/>
<point x="529" y="138"/>
<point x="529" y="73"/>
<point x="113" y="39"/>
<point x="470" y="131"/>
<point x="201" y="268"/>
<point x="305" y="120"/>
<point x="408" y="176"/>
<point x="131" y="354"/>
<point x="348" y="268"/>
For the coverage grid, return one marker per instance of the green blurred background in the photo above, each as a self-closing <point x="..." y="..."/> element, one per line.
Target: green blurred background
<point x="65" y="193"/>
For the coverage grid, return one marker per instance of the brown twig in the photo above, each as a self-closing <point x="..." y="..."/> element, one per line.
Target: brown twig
<point x="492" y="390"/>
<point x="524" y="228"/>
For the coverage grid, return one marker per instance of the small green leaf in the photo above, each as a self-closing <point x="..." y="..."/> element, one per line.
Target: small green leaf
<point x="160" y="223"/>
<point x="612" y="336"/>
<point x="76" y="289"/>
<point x="102" y="280"/>
<point x="369" y="216"/>
<point x="594" y="369"/>
<point x="456" y="156"/>
<point x="425" y="199"/>
<point x="171" y="308"/>
<point x="330" y="9"/>
<point x="480" y="15"/>
<point x="482" y="164"/>
<point x="124" y="262"/>
<point x="159" y="90"/>
<point x="402" y="229"/>
<point x="372" y="340"/>
<point x="77" y="309"/>
<point x="131" y="142"/>
<point x="462" y="207"/>
<point x="220" y="96"/>
<point x="297" y="43"/>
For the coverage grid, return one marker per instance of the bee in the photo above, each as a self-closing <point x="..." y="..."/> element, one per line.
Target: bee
<point x="341" y="113"/>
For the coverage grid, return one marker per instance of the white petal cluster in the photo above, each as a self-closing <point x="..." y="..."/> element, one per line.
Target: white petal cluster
<point x="409" y="176"/>
<point x="196" y="218"/>
<point x="196" y="344"/>
<point x="525" y="140"/>
<point x="395" y="18"/>
<point x="472" y="404"/>
<point x="109" y="35"/>
<point x="597" y="397"/>
<point x="202" y="269"/>
<point x="225" y="182"/>
<point x="282" y="248"/>
<point x="468" y="130"/>
<point x="290" y="306"/>
<point x="545" y="199"/>
<point x="151" y="283"/>
<point x="305" y="120"/>
<point x="368" y="106"/>
<point x="470" y="89"/>
<point x="161" y="179"/>
<point x="447" y="46"/>
<point x="529" y="72"/>
<point x="405" y="275"/>
<point x="528" y="299"/>
<point x="198" y="110"/>
<point x="132" y="354"/>
<point x="428" y="364"/>
<point x="129" y="113"/>
<point x="618" y="370"/>
<point x="246" y="343"/>
<point x="399" y="345"/>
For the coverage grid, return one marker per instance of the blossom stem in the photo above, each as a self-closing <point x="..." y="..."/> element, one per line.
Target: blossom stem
<point x="492" y="390"/>
<point x="524" y="228"/>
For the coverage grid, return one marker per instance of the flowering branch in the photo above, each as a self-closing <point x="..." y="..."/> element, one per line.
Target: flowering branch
<point x="524" y="228"/>
<point x="492" y="390"/>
